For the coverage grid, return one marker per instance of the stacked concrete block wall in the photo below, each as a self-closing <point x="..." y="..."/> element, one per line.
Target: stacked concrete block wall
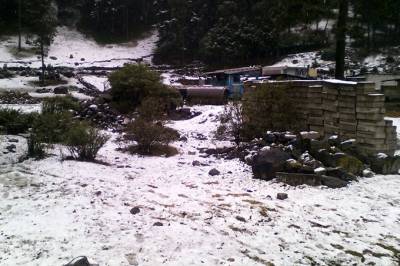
<point x="349" y="110"/>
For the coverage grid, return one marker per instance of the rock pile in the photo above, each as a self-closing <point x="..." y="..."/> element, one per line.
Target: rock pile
<point x="17" y="98"/>
<point x="308" y="159"/>
<point x="101" y="114"/>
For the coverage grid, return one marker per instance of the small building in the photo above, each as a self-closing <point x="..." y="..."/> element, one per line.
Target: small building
<point x="290" y="72"/>
<point x="380" y="79"/>
<point x="232" y="78"/>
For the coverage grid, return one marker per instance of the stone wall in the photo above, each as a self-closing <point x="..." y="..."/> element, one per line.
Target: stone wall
<point x="349" y="110"/>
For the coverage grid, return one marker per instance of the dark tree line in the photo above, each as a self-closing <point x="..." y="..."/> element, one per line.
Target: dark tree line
<point x="236" y="31"/>
<point x="220" y="32"/>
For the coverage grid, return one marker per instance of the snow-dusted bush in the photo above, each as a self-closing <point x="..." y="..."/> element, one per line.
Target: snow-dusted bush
<point x="269" y="107"/>
<point x="84" y="141"/>
<point x="15" y="122"/>
<point x="60" y="104"/>
<point x="150" y="136"/>
<point x="134" y="83"/>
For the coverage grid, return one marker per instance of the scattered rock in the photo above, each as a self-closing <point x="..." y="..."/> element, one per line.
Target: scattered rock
<point x="157" y="224"/>
<point x="214" y="172"/>
<point x="135" y="210"/>
<point x="294" y="179"/>
<point x="311" y="135"/>
<point x="268" y="162"/>
<point x="385" y="165"/>
<point x="333" y="182"/>
<point x="282" y="196"/>
<point x="196" y="163"/>
<point x="241" y="219"/>
<point x="368" y="173"/>
<point x="350" y="164"/>
<point x="11" y="148"/>
<point x="80" y="261"/>
<point x="61" y="90"/>
<point x="53" y="58"/>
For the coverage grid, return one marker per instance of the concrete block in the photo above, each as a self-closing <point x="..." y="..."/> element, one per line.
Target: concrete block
<point x="315" y="88"/>
<point x="347" y="104"/>
<point x="316" y="112"/>
<point x="372" y="117"/>
<point x="366" y="110"/>
<point x="365" y="88"/>
<point x="352" y="127"/>
<point x="348" y="117"/>
<point x="329" y="96"/>
<point x="371" y="104"/>
<point x="319" y="129"/>
<point x="346" y="110"/>
<point x="371" y="98"/>
<point x="331" y="91"/>
<point x="316" y="120"/>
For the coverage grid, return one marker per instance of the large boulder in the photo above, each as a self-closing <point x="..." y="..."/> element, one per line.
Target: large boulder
<point x="385" y="165"/>
<point x="333" y="182"/>
<point x="340" y="173"/>
<point x="268" y="162"/>
<point x="350" y="164"/>
<point x="61" y="90"/>
<point x="295" y="179"/>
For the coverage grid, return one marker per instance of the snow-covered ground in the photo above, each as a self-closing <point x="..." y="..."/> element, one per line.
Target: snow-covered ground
<point x="306" y="60"/>
<point x="71" y="42"/>
<point x="53" y="210"/>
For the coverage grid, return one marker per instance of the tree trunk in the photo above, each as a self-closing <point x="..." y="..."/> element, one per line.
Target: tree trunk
<point x="42" y="55"/>
<point x="341" y="39"/>
<point x="19" y="24"/>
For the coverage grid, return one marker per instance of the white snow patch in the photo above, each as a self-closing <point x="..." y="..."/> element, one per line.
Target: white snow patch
<point x="71" y="42"/>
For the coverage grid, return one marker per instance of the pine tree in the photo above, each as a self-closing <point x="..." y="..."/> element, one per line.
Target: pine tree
<point x="41" y="17"/>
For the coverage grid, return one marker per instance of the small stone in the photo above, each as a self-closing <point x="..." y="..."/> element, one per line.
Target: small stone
<point x="71" y="56"/>
<point x="13" y="140"/>
<point x="82" y="59"/>
<point x="135" y="210"/>
<point x="196" y="163"/>
<point x="11" y="148"/>
<point x="239" y="218"/>
<point x="368" y="173"/>
<point x="157" y="224"/>
<point x="214" y="172"/>
<point x="282" y="196"/>
<point x="97" y="193"/>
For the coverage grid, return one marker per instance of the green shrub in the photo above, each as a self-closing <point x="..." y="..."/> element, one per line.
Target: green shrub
<point x="60" y="105"/>
<point x="269" y="107"/>
<point x="149" y="135"/>
<point x="84" y="141"/>
<point x="231" y="122"/>
<point x="51" y="127"/>
<point x="133" y="83"/>
<point x="15" y="122"/>
<point x="36" y="148"/>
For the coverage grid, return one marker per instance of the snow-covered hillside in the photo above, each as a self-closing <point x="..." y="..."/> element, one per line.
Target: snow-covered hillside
<point x="85" y="51"/>
<point x="53" y="210"/>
